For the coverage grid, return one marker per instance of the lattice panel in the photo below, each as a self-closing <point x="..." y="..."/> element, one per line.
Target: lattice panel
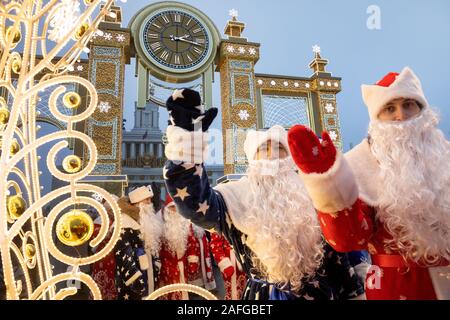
<point x="285" y="111"/>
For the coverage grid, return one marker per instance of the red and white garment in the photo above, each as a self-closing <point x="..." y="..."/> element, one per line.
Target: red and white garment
<point x="233" y="275"/>
<point x="203" y="276"/>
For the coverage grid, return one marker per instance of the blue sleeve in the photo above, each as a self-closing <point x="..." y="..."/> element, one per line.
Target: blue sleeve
<point x="191" y="192"/>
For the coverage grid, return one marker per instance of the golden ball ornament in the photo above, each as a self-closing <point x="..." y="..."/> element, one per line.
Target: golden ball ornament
<point x="30" y="251"/>
<point x="72" y="164"/>
<point x="4" y="115"/>
<point x="16" y="65"/>
<point x="16" y="206"/>
<point x="15" y="147"/>
<point x="13" y="36"/>
<point x="81" y="31"/>
<point x="75" y="228"/>
<point x="72" y="100"/>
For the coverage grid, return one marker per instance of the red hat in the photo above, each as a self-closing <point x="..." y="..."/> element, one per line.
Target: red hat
<point x="169" y="200"/>
<point x="393" y="86"/>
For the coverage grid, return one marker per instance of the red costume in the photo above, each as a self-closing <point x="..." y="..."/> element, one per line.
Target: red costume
<point x="346" y="191"/>
<point x="233" y="275"/>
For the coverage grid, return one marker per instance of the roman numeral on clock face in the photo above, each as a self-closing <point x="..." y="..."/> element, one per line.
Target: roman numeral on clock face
<point x="197" y="30"/>
<point x="164" y="55"/>
<point x="200" y="41"/>
<point x="189" y="57"/>
<point x="166" y="20"/>
<point x="155" y="46"/>
<point x="198" y="50"/>
<point x="153" y="36"/>
<point x="177" y="59"/>
<point x="177" y="18"/>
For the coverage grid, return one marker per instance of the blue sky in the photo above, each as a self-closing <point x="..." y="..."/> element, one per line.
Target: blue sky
<point x="413" y="33"/>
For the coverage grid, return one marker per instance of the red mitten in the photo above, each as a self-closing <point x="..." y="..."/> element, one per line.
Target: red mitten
<point x="193" y="268"/>
<point x="309" y="154"/>
<point x="228" y="273"/>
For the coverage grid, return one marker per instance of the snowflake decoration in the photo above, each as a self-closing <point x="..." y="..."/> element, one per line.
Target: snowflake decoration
<point x="336" y="84"/>
<point x="64" y="20"/>
<point x="307" y="85"/>
<point x="296" y="84"/>
<point x="329" y="107"/>
<point x="286" y="83"/>
<point x="333" y="135"/>
<point x="329" y="83"/>
<point x="273" y="82"/>
<point x="322" y="83"/>
<point x="120" y="38"/>
<point x="233" y="13"/>
<point x="80" y="68"/>
<point x="252" y="51"/>
<point x="230" y="49"/>
<point x="96" y="196"/>
<point x="241" y="50"/>
<point x="316" y="48"/>
<point x="108" y="36"/>
<point x="104" y="106"/>
<point x="260" y="82"/>
<point x="70" y="68"/>
<point x="243" y="115"/>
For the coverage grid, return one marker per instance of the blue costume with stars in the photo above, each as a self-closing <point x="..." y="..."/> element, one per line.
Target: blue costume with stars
<point x="187" y="183"/>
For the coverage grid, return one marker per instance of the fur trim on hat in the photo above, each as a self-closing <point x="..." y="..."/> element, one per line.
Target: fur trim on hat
<point x="255" y="139"/>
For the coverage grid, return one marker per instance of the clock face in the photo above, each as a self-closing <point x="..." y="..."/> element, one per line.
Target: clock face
<point x="176" y="40"/>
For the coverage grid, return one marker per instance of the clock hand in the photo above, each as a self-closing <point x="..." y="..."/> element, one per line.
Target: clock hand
<point x="192" y="42"/>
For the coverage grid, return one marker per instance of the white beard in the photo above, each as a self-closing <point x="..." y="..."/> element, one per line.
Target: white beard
<point x="284" y="232"/>
<point x="176" y="232"/>
<point x="151" y="229"/>
<point x="414" y="160"/>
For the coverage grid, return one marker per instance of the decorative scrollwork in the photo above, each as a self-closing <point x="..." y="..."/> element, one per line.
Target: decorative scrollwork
<point x="51" y="34"/>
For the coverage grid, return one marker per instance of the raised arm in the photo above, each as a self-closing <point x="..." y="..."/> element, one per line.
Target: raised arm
<point x="187" y="149"/>
<point x="345" y="220"/>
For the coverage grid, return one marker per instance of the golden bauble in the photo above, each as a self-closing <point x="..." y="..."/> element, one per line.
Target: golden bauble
<point x="16" y="65"/>
<point x="81" y="31"/>
<point x="16" y="206"/>
<point x="72" y="100"/>
<point x="72" y="164"/>
<point x="15" y="147"/>
<point x="4" y="115"/>
<point x="13" y="36"/>
<point x="30" y="251"/>
<point x="88" y="2"/>
<point x="75" y="228"/>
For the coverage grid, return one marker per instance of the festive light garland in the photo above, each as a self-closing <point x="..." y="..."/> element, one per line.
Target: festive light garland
<point x="53" y="35"/>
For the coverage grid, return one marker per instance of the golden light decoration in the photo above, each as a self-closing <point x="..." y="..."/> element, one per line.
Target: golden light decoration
<point x="30" y="251"/>
<point x="71" y="100"/>
<point x="43" y="63"/>
<point x="4" y="115"/>
<point x="13" y="36"/>
<point x="16" y="206"/>
<point x="75" y="228"/>
<point x="183" y="287"/>
<point x="15" y="147"/>
<point x="16" y="65"/>
<point x="81" y="31"/>
<point x="72" y="164"/>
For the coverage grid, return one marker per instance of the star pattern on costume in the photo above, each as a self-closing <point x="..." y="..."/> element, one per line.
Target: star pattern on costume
<point x="182" y="193"/>
<point x="198" y="170"/>
<point x="177" y="94"/>
<point x="315" y="283"/>
<point x="203" y="207"/>
<point x="198" y="120"/>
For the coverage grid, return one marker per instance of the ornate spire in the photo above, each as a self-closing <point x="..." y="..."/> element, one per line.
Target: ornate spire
<point x="318" y="64"/>
<point x="234" y="28"/>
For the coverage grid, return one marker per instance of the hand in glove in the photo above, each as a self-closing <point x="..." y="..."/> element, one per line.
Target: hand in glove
<point x="186" y="111"/>
<point x="310" y="155"/>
